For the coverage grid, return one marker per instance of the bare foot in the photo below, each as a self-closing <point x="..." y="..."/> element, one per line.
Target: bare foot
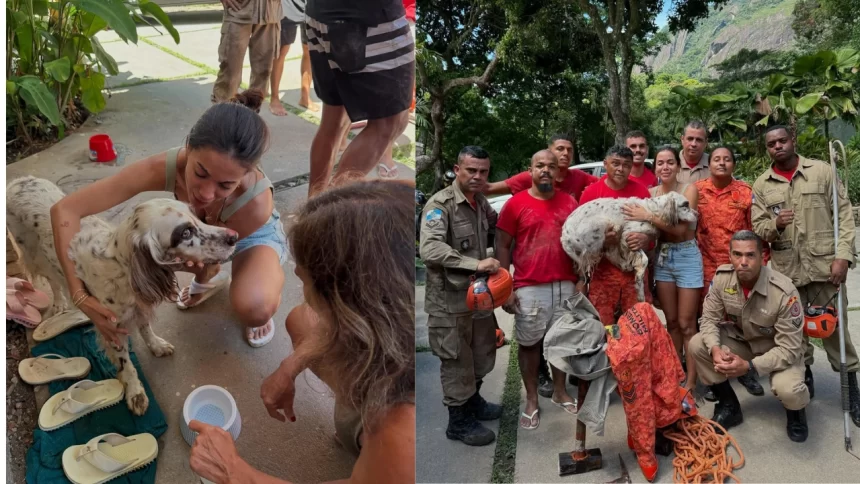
<point x="277" y="108"/>
<point x="309" y="105"/>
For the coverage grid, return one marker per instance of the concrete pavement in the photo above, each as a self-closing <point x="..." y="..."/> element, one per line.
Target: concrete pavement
<point x="770" y="456"/>
<point x="154" y="102"/>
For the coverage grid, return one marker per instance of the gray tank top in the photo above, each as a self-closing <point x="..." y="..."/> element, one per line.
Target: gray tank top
<point x="228" y="211"/>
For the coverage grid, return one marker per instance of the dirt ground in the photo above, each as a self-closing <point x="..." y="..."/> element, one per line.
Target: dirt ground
<point x="20" y="403"/>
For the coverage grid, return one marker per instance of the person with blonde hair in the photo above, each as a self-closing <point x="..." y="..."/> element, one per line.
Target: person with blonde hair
<point x="356" y="331"/>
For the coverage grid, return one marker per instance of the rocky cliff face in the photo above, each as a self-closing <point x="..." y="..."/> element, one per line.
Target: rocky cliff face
<point x="741" y="24"/>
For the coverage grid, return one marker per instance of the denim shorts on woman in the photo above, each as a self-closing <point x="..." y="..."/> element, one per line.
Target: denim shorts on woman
<point x="270" y="234"/>
<point x="680" y="263"/>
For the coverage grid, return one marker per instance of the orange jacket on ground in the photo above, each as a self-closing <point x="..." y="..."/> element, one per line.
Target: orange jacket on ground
<point x="722" y="212"/>
<point x="649" y="375"/>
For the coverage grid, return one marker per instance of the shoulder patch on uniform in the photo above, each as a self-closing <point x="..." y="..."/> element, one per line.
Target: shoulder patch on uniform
<point x="797" y="321"/>
<point x="434" y="214"/>
<point x="795" y="310"/>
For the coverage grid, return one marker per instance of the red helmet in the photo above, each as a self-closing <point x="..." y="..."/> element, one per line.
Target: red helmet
<point x="487" y="292"/>
<point x="819" y="321"/>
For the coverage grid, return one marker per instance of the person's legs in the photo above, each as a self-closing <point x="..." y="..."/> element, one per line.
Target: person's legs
<point x="262" y="51"/>
<point x="333" y="124"/>
<point x="288" y="36"/>
<point x="231" y="54"/>
<point x="688" y="306"/>
<point x="255" y="293"/>
<point x="305" y="96"/>
<point x="365" y="151"/>
<point x="529" y="358"/>
<point x="667" y="293"/>
<point x="201" y="276"/>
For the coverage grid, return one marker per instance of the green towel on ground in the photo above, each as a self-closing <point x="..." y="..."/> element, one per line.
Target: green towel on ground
<point x="44" y="459"/>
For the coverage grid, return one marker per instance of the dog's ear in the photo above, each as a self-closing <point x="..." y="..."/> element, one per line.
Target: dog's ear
<point x="671" y="210"/>
<point x="151" y="281"/>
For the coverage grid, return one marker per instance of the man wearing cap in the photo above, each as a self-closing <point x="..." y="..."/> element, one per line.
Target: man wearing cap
<point x="455" y="224"/>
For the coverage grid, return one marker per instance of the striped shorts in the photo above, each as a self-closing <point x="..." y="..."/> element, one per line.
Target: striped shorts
<point x="368" y="70"/>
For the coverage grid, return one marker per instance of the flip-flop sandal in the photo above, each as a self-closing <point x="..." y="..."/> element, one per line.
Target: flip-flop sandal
<point x="531" y="418"/>
<point x="52" y="367"/>
<point x="34" y="297"/>
<point x="385" y="172"/>
<point x="19" y="310"/>
<point x="82" y="398"/>
<point x="107" y="457"/>
<point x="569" y="407"/>
<point x="208" y="289"/>
<point x="60" y="323"/>
<point x="257" y="343"/>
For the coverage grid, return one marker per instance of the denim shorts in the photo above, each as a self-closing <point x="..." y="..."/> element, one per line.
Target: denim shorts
<point x="680" y="263"/>
<point x="270" y="234"/>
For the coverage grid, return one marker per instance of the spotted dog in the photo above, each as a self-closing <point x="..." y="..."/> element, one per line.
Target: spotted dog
<point x="128" y="268"/>
<point x="584" y="232"/>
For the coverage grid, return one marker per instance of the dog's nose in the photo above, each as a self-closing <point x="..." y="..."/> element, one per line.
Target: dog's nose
<point x="232" y="237"/>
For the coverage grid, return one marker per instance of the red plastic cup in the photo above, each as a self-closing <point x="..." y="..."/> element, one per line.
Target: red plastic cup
<point x="101" y="149"/>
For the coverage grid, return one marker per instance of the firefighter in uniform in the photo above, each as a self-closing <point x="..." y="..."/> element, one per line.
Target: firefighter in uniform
<point x="455" y="226"/>
<point x="752" y="320"/>
<point x="793" y="210"/>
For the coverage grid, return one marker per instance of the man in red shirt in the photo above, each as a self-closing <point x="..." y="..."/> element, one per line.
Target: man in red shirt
<point x="638" y="144"/>
<point x="544" y="276"/>
<point x="569" y="181"/>
<point x="611" y="291"/>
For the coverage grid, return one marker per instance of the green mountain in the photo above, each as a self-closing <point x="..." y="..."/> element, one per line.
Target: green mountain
<point x="750" y="24"/>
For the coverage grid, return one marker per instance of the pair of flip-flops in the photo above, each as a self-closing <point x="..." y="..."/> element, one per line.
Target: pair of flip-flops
<point x="24" y="302"/>
<point x="104" y="457"/>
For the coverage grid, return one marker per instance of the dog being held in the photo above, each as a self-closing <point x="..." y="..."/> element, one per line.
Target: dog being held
<point x="584" y="232"/>
<point x="128" y="268"/>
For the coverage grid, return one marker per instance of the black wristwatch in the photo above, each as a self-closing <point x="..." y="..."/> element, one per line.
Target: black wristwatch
<point x="752" y="368"/>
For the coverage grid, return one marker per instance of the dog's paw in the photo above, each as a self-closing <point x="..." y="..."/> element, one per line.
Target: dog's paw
<point x="160" y="347"/>
<point x="136" y="399"/>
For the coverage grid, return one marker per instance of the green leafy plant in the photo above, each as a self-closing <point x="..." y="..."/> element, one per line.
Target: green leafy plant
<point x="55" y="65"/>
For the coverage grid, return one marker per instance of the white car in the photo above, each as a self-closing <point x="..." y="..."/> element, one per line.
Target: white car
<point x="594" y="168"/>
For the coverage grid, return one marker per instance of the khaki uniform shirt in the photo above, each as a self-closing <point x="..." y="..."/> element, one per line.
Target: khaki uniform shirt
<point x="696" y="173"/>
<point x="453" y="241"/>
<point x="255" y="12"/>
<point x="804" y="250"/>
<point x="769" y="321"/>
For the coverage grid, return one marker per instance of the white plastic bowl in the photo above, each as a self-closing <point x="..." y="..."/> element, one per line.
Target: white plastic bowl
<point x="212" y="405"/>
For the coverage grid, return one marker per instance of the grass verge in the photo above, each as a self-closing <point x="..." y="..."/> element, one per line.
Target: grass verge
<point x="505" y="458"/>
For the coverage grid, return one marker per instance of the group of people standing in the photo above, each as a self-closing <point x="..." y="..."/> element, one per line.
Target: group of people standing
<point x="730" y="315"/>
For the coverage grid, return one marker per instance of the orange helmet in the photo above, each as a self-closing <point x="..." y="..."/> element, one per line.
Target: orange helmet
<point x="487" y="292"/>
<point x="819" y="321"/>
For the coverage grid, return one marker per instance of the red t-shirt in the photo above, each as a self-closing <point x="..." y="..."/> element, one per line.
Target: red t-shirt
<point x="602" y="190"/>
<point x="648" y="179"/>
<point x="787" y="174"/>
<point x="746" y="292"/>
<point x="535" y="226"/>
<point x="409" y="5"/>
<point x="574" y="183"/>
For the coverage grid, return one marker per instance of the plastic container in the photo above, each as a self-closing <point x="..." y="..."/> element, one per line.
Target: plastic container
<point x="212" y="405"/>
<point x="102" y="149"/>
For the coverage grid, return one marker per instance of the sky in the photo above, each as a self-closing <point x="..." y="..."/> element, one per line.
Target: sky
<point x="664" y="15"/>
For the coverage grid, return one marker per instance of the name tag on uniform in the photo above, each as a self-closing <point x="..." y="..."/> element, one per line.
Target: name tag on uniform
<point x="781" y="245"/>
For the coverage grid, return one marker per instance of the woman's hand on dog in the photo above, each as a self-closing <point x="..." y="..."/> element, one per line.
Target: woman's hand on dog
<point x="636" y="212"/>
<point x="104" y="320"/>
<point x="278" y="392"/>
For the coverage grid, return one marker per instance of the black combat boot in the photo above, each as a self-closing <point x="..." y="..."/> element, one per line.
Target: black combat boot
<point x="810" y="383"/>
<point x="727" y="412"/>
<point x="796" y="426"/>
<point x="853" y="398"/>
<point x="544" y="380"/>
<point x="480" y="408"/>
<point x="463" y="426"/>
<point x="750" y="382"/>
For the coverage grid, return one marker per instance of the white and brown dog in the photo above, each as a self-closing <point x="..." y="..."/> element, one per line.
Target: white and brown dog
<point x="128" y="268"/>
<point x="584" y="232"/>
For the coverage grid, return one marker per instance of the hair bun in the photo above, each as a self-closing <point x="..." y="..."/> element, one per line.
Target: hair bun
<point x="251" y="99"/>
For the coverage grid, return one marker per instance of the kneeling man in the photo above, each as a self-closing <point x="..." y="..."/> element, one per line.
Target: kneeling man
<point x="751" y="320"/>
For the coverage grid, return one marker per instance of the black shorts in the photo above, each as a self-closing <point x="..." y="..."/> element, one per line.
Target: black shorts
<point x="289" y="30"/>
<point x="368" y="70"/>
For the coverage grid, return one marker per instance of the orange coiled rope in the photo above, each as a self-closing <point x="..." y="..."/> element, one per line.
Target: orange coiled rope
<point x="701" y="454"/>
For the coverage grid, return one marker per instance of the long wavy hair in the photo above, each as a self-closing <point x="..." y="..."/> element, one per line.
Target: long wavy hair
<point x="355" y="243"/>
